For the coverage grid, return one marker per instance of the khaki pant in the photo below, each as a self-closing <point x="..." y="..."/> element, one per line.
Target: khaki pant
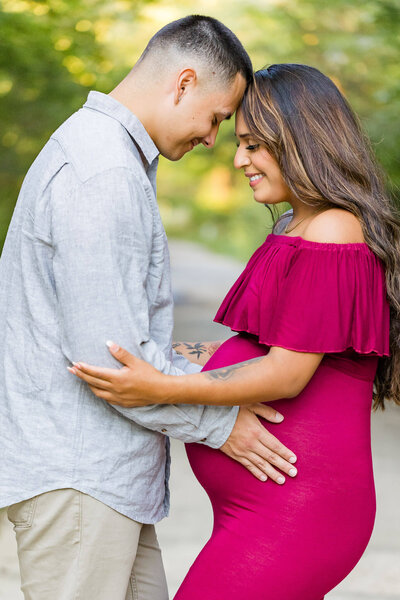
<point x="73" y="547"/>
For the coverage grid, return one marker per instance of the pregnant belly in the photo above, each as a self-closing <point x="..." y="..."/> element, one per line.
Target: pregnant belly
<point x="328" y="428"/>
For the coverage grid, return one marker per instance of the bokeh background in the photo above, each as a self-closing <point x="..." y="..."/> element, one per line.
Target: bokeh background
<point x="53" y="52"/>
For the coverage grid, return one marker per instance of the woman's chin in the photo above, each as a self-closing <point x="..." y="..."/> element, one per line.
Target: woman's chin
<point x="261" y="199"/>
<point x="266" y="200"/>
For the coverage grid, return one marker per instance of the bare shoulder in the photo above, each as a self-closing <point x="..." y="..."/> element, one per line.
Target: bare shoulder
<point x="334" y="226"/>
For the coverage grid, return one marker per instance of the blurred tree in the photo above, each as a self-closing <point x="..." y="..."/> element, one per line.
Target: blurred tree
<point x="52" y="52"/>
<point x="356" y="43"/>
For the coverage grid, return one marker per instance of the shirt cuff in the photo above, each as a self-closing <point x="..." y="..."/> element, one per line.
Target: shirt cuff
<point x="222" y="428"/>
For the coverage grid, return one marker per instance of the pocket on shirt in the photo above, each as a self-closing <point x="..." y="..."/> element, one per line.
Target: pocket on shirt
<point x="21" y="514"/>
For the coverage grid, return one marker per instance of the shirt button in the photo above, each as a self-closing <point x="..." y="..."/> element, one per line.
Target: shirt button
<point x="204" y="440"/>
<point x="163" y="430"/>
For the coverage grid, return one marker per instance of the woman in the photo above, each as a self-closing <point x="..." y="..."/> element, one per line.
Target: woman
<point x="312" y="311"/>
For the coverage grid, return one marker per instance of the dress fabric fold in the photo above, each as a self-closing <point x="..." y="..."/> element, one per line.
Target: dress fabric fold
<point x="311" y="297"/>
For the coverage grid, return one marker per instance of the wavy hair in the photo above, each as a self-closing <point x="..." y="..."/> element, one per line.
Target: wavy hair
<point x="327" y="161"/>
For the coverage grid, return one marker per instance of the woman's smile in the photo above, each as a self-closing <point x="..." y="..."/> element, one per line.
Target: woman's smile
<point x="254" y="178"/>
<point x="267" y="184"/>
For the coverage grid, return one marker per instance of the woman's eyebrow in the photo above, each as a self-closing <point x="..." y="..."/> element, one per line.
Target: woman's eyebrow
<point x="242" y="135"/>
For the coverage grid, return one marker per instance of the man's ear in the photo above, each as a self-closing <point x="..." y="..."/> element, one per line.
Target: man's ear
<point x="186" y="80"/>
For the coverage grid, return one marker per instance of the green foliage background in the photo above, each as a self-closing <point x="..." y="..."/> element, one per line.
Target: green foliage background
<point x="53" y="52"/>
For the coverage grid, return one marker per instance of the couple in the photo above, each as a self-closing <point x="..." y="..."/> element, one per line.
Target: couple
<point x="86" y="261"/>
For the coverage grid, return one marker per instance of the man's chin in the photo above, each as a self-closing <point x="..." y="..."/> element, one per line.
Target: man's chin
<point x="175" y="155"/>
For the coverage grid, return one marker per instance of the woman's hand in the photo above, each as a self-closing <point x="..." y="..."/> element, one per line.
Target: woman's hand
<point x="281" y="373"/>
<point x="136" y="384"/>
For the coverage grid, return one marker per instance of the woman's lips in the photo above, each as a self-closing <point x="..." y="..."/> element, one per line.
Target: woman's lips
<point x="255" y="179"/>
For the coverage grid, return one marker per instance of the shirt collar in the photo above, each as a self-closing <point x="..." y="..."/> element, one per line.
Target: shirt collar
<point x="111" y="107"/>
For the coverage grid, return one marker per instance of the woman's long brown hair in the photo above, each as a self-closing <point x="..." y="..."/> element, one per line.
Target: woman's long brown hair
<point x="327" y="161"/>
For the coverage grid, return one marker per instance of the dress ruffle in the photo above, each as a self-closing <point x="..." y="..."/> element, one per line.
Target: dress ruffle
<point x="311" y="297"/>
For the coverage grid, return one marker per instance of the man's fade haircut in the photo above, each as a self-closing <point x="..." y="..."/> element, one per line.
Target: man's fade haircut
<point x="209" y="40"/>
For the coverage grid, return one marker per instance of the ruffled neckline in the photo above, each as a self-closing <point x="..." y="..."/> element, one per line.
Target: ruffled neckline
<point x="311" y="297"/>
<point x="298" y="242"/>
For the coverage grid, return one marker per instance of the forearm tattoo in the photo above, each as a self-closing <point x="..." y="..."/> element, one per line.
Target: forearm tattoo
<point x="198" y="348"/>
<point x="227" y="372"/>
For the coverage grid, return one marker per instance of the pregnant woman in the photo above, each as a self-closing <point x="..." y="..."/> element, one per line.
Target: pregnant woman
<point x="311" y="315"/>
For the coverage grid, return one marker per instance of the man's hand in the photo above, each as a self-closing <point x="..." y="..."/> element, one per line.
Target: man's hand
<point x="255" y="448"/>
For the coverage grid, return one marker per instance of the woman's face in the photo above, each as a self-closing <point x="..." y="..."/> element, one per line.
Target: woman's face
<point x="265" y="177"/>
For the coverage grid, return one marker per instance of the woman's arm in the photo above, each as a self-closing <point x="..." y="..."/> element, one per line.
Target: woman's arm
<point x="280" y="374"/>
<point x="197" y="352"/>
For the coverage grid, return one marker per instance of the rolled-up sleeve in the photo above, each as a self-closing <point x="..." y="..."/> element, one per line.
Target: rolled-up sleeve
<point x="102" y="238"/>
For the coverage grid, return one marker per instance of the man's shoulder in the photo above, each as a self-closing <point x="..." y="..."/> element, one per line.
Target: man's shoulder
<point x="94" y="143"/>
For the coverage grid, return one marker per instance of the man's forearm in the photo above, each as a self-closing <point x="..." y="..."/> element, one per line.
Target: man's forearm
<point x="197" y="352"/>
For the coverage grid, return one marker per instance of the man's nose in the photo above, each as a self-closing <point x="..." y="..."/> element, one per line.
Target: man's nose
<point x="209" y="140"/>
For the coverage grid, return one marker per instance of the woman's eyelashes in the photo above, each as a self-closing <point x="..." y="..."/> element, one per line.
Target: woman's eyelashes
<point x="249" y="147"/>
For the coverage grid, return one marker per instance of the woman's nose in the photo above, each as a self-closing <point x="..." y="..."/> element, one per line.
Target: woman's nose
<point x="241" y="159"/>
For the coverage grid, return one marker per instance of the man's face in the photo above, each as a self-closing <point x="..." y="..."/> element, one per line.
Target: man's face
<point x="197" y="116"/>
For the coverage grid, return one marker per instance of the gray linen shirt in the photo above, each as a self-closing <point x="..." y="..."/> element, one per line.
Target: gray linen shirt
<point x="86" y="260"/>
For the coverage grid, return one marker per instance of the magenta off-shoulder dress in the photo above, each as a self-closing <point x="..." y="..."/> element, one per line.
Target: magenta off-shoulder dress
<point x="299" y="540"/>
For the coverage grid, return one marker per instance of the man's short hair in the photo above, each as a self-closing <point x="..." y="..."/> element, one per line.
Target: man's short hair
<point x="209" y="40"/>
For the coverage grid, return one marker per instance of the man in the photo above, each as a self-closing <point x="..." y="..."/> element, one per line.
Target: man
<point x="86" y="260"/>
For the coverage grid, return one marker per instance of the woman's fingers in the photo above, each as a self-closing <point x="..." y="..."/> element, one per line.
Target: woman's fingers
<point x="124" y="357"/>
<point x="94" y="381"/>
<point x="97" y="372"/>
<point x="107" y="374"/>
<point x="112" y="398"/>
<point x="129" y="386"/>
<point x="107" y="395"/>
<point x="104" y="394"/>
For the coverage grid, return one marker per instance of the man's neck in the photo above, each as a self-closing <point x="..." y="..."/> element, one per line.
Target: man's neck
<point x="136" y="98"/>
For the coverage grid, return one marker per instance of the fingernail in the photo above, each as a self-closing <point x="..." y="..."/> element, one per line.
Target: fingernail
<point x="71" y="370"/>
<point x="292" y="459"/>
<point x="278" y="417"/>
<point x="76" y="364"/>
<point x="281" y="480"/>
<point x="263" y="478"/>
<point x="111" y="345"/>
<point x="293" y="472"/>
